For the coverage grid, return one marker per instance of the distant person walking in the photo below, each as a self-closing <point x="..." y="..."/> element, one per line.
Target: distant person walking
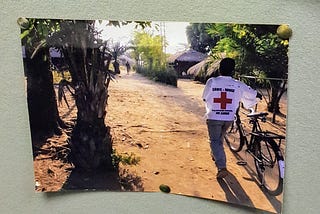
<point x="222" y="96"/>
<point x="128" y="67"/>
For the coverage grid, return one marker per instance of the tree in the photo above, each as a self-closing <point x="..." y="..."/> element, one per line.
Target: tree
<point x="43" y="111"/>
<point x="88" y="60"/>
<point x="199" y="39"/>
<point x="149" y="48"/>
<point x="91" y="143"/>
<point x="116" y="50"/>
<point x="258" y="50"/>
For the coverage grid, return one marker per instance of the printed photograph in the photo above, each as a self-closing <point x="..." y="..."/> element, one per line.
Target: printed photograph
<point x="192" y="109"/>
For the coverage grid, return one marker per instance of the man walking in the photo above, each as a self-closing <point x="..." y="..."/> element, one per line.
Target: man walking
<point x="222" y="96"/>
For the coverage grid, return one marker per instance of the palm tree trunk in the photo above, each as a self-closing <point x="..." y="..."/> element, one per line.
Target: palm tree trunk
<point x="91" y="142"/>
<point x="43" y="111"/>
<point x="116" y="67"/>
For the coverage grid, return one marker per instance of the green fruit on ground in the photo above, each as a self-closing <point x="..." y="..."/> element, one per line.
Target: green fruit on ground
<point x="23" y="22"/>
<point x="284" y="31"/>
<point x="164" y="188"/>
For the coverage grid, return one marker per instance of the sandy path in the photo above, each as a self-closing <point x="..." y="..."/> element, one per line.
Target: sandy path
<point x="164" y="126"/>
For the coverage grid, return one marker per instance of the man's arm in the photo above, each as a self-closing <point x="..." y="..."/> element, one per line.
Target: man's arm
<point x="249" y="95"/>
<point x="206" y="89"/>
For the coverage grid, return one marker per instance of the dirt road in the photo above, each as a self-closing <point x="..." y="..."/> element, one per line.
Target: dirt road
<point x="164" y="126"/>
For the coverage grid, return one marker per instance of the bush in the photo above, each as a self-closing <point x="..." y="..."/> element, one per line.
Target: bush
<point x="167" y="76"/>
<point x="124" y="159"/>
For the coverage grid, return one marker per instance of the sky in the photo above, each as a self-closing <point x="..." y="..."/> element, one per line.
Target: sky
<point x="175" y="34"/>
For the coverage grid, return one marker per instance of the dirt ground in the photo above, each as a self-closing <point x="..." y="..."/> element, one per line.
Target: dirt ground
<point x="165" y="128"/>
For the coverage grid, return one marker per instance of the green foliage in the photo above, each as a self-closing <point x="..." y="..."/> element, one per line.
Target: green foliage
<point x="124" y="158"/>
<point x="167" y="77"/>
<point x="149" y="48"/>
<point x="142" y="24"/>
<point x="163" y="75"/>
<point x="255" y="47"/>
<point x="151" y="59"/>
<point x="229" y="46"/>
<point x="257" y="80"/>
<point x="145" y="72"/>
<point x="34" y="33"/>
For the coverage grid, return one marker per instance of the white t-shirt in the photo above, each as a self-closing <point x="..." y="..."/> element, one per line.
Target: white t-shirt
<point x="222" y="96"/>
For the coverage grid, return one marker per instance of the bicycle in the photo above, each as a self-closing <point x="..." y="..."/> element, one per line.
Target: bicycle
<point x="263" y="147"/>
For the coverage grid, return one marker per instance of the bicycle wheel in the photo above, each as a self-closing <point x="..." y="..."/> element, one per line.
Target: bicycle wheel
<point x="269" y="164"/>
<point x="233" y="139"/>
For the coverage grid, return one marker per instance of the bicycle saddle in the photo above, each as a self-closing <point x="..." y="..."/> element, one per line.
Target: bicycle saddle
<point x="257" y="114"/>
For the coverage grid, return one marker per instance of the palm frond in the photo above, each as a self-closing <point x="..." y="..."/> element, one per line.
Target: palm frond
<point x="42" y="44"/>
<point x="61" y="91"/>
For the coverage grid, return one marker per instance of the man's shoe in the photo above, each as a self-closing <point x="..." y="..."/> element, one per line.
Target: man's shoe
<point x="222" y="173"/>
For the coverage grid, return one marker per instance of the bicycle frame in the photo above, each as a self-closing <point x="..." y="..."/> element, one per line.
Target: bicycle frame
<point x="243" y="135"/>
<point x="255" y="128"/>
<point x="262" y="146"/>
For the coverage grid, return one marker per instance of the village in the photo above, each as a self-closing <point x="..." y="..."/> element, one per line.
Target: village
<point x="133" y="120"/>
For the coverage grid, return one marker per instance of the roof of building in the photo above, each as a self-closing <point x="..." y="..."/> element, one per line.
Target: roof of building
<point x="187" y="56"/>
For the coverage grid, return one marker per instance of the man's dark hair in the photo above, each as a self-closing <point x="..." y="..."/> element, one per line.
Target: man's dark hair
<point x="227" y="67"/>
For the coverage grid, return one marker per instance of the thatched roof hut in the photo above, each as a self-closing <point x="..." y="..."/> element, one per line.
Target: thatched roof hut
<point x="199" y="67"/>
<point x="204" y="70"/>
<point x="182" y="61"/>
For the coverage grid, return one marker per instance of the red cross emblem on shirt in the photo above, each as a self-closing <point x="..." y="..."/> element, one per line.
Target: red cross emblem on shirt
<point x="223" y="100"/>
